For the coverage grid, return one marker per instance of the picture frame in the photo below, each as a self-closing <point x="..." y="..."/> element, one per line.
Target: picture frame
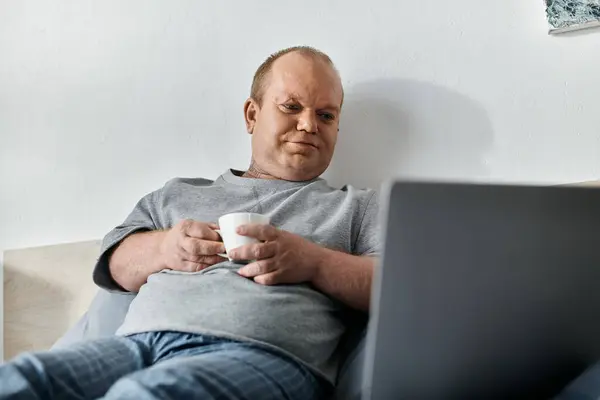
<point x="571" y="15"/>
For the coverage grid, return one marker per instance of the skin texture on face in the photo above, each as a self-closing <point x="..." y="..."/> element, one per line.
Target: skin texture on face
<point x="294" y="130"/>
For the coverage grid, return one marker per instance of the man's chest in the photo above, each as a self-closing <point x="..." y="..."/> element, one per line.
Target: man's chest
<point x="324" y="219"/>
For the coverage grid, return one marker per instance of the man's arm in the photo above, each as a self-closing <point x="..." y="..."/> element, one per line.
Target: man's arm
<point x="284" y="257"/>
<point x="188" y="246"/>
<point x="346" y="277"/>
<point x="136" y="258"/>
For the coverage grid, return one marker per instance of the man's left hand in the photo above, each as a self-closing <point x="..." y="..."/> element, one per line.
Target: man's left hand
<point x="282" y="257"/>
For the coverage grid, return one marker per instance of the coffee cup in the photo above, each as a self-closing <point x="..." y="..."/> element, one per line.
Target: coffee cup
<point x="230" y="222"/>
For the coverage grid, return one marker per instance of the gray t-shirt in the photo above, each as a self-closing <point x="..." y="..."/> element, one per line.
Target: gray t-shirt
<point x="295" y="319"/>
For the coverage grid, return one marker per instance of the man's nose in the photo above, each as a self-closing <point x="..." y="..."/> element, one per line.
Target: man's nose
<point x="307" y="122"/>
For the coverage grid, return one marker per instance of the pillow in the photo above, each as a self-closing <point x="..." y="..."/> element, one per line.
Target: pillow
<point x="105" y="315"/>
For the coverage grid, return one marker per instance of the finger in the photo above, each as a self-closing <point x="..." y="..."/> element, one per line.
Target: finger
<point x="210" y="248"/>
<point x="189" y="266"/>
<point x="254" y="251"/>
<point x="257" y="268"/>
<point x="189" y="247"/>
<point x="272" y="278"/>
<point x="200" y="230"/>
<point x="198" y="247"/>
<point x="258" y="231"/>
<point x="201" y="266"/>
<point x="209" y="260"/>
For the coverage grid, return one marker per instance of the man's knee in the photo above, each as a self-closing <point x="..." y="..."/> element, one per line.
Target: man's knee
<point x="174" y="379"/>
<point x="154" y="384"/>
<point x="129" y="387"/>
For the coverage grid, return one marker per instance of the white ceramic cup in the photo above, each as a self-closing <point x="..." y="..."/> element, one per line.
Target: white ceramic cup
<point x="228" y="223"/>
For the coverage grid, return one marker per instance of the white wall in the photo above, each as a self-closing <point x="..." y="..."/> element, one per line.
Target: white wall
<point x="102" y="101"/>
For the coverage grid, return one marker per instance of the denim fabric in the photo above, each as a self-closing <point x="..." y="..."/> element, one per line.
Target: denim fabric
<point x="159" y="365"/>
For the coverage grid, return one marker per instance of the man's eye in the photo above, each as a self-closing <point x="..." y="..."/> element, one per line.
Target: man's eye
<point x="327" y="116"/>
<point x="291" y="107"/>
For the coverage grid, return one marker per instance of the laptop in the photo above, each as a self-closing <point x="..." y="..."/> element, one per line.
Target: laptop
<point x="484" y="291"/>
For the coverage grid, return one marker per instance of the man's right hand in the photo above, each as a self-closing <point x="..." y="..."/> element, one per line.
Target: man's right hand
<point x="191" y="246"/>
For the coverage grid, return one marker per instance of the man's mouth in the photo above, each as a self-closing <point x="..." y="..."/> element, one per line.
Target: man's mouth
<point x="304" y="144"/>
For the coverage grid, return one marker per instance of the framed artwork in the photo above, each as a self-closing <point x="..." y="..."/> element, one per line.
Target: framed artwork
<point x="570" y="15"/>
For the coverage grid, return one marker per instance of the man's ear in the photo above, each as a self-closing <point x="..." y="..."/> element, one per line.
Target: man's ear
<point x="251" y="110"/>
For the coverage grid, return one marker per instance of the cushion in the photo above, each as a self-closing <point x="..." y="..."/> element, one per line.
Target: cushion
<point x="105" y="315"/>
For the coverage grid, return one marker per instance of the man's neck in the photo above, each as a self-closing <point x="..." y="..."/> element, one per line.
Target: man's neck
<point x="255" y="172"/>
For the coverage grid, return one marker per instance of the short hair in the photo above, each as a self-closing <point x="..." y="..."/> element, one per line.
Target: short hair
<point x="261" y="74"/>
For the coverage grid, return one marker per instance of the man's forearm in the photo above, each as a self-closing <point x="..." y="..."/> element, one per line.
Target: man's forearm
<point x="346" y="277"/>
<point x="136" y="258"/>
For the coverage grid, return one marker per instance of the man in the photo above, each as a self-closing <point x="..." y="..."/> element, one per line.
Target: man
<point x="203" y="327"/>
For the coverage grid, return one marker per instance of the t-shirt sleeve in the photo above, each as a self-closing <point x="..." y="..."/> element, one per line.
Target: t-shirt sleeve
<point x="144" y="217"/>
<point x="368" y="242"/>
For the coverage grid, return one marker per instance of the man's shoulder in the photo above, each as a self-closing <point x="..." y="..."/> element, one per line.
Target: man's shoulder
<point x="348" y="194"/>
<point x="180" y="183"/>
<point x="361" y="193"/>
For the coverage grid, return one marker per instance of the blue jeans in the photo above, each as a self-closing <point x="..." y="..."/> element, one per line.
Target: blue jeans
<point x="159" y="365"/>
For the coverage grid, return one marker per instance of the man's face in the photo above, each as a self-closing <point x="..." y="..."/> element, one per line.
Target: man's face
<point x="294" y="130"/>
